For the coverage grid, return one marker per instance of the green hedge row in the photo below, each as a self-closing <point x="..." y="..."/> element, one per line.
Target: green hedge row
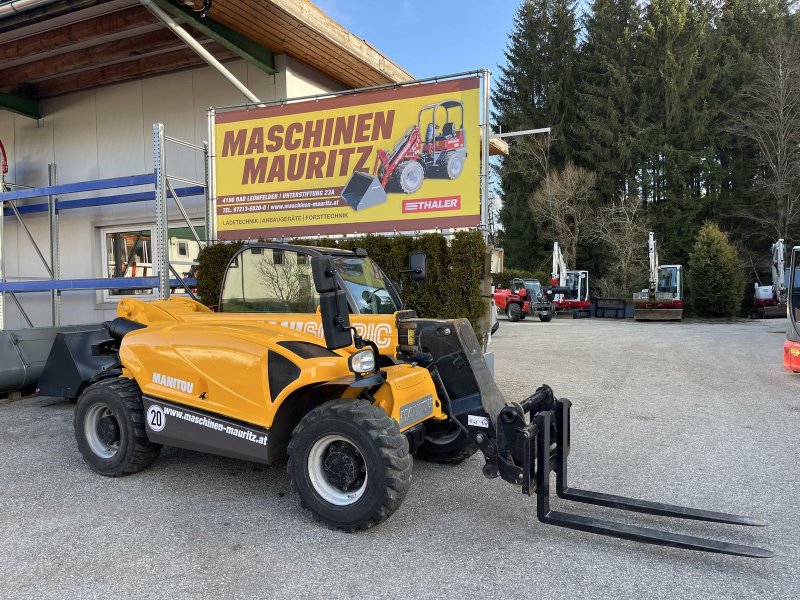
<point x="503" y="280"/>
<point x="452" y="289"/>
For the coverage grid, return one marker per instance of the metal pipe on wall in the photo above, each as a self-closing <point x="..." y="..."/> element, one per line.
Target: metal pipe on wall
<point x="198" y="48"/>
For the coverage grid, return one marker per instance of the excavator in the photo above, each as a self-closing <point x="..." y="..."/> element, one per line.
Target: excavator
<point x="770" y="300"/>
<point x="663" y="299"/>
<point x="571" y="287"/>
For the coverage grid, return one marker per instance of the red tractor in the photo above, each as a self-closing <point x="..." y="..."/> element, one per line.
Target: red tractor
<point x="525" y="297"/>
<point x="440" y="154"/>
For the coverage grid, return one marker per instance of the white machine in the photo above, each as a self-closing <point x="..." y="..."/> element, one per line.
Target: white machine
<point x="575" y="296"/>
<point x="663" y="300"/>
<point x="770" y="300"/>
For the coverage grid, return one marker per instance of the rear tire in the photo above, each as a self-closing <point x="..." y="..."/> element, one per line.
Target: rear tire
<point x="514" y="312"/>
<point x="452" y="165"/>
<point x="445" y="442"/>
<point x="350" y="464"/>
<point x="110" y="428"/>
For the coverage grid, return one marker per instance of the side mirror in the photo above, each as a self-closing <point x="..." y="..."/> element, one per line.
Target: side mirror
<point x="324" y="274"/>
<point x="418" y="266"/>
<point x="332" y="304"/>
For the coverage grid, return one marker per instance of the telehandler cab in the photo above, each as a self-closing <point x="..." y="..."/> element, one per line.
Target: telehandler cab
<point x="348" y="415"/>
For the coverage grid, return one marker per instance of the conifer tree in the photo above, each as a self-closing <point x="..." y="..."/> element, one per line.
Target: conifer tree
<point x="536" y="88"/>
<point x="715" y="274"/>
<point x="605" y="129"/>
<point x="676" y="75"/>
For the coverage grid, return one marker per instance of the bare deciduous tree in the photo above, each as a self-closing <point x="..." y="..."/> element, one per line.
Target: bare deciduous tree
<point x="286" y="281"/>
<point x="529" y="157"/>
<point x="621" y="229"/>
<point x="770" y="120"/>
<point x="564" y="200"/>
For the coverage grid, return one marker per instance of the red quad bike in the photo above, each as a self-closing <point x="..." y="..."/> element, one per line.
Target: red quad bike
<point x="440" y="154"/>
<point x="525" y="297"/>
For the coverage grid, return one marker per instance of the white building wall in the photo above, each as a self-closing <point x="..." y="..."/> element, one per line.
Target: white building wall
<point x="108" y="132"/>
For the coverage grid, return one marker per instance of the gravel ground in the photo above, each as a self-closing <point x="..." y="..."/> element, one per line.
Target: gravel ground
<point x="695" y="413"/>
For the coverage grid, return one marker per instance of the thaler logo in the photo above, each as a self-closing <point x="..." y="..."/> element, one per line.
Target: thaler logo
<point x="173" y="382"/>
<point x="432" y="204"/>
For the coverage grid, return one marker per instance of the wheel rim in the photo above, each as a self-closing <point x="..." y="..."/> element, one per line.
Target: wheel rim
<point x="102" y="431"/>
<point x="412" y="177"/>
<point x="445" y="434"/>
<point x="337" y="470"/>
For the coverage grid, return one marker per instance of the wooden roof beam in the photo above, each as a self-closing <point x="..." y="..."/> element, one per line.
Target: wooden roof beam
<point x="231" y="39"/>
<point x="45" y="13"/>
<point x="316" y="20"/>
<point x="75" y="33"/>
<point x="133" y="69"/>
<point x="94" y="56"/>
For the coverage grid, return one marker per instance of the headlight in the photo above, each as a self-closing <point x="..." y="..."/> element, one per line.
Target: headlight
<point x="362" y="361"/>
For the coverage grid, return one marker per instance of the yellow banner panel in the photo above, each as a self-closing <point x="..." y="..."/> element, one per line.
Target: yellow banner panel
<point x="401" y="159"/>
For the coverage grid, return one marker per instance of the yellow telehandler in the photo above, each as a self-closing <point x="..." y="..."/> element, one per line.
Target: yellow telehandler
<point x="289" y="374"/>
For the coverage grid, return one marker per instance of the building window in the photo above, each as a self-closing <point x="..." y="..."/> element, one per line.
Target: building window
<point x="129" y="252"/>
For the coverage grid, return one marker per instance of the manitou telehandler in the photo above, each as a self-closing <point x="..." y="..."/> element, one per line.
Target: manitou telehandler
<point x="791" y="347"/>
<point x="769" y="301"/>
<point x="663" y="299"/>
<point x="524" y="297"/>
<point x="349" y="417"/>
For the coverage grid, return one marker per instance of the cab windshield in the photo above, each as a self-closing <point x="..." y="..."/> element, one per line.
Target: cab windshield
<point x="668" y="279"/>
<point x="368" y="285"/>
<point x="573" y="283"/>
<point x="534" y="287"/>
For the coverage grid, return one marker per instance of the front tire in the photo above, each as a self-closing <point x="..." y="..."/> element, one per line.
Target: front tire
<point x="545" y="318"/>
<point x="350" y="464"/>
<point x="514" y="312"/>
<point x="408" y="176"/>
<point x="110" y="428"/>
<point x="445" y="442"/>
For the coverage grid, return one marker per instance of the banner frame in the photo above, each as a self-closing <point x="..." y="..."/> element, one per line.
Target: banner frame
<point x="484" y="75"/>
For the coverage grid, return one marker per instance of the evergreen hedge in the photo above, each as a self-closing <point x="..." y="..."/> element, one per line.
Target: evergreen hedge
<point x="503" y="280"/>
<point x="451" y="290"/>
<point x="716" y="281"/>
<point x="212" y="262"/>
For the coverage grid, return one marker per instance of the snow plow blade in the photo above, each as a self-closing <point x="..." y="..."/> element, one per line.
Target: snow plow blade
<point x="657" y="314"/>
<point x="543" y="443"/>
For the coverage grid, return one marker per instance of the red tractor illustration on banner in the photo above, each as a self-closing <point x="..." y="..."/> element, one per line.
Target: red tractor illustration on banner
<point x="440" y="153"/>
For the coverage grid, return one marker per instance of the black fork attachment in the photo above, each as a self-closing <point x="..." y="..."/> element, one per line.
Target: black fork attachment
<point x="527" y="451"/>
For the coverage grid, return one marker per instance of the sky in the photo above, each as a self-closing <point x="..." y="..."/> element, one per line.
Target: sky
<point x="430" y="37"/>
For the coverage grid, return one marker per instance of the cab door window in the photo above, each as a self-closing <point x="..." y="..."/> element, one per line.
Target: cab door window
<point x="269" y="280"/>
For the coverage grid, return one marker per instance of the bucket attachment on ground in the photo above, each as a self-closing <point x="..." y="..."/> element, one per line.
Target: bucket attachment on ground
<point x="658" y="314"/>
<point x="363" y="191"/>
<point x="544" y="446"/>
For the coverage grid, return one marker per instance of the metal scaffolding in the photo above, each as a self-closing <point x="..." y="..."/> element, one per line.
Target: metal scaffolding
<point x="163" y="190"/>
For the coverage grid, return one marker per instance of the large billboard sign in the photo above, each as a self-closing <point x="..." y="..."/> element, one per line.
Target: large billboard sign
<point x="401" y="159"/>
